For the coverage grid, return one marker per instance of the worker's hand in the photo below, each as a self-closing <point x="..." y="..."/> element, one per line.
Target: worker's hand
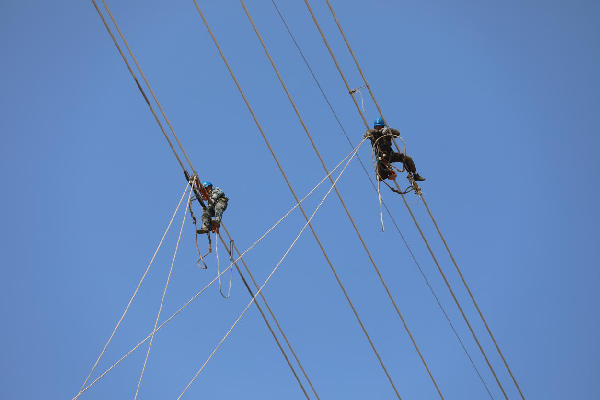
<point x="367" y="135"/>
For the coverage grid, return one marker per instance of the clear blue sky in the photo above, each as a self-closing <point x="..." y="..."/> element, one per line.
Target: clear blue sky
<point x="498" y="104"/>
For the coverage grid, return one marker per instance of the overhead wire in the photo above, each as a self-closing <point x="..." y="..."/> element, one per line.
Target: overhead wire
<point x="268" y="278"/>
<point x="149" y="87"/>
<point x="162" y="300"/>
<point x="296" y="198"/>
<point x="371" y="259"/>
<point x="240" y="257"/>
<point x="421" y="195"/>
<point x="382" y="202"/>
<point x="183" y="167"/>
<point x="403" y="197"/>
<point x="136" y="289"/>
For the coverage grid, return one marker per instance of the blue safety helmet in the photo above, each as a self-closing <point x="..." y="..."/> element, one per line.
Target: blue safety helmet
<point x="206" y="184"/>
<point x="378" y="122"/>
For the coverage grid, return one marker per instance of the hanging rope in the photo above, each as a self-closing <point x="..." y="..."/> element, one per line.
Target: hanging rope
<point x="226" y="296"/>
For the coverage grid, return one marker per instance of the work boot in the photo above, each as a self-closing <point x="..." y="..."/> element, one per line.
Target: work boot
<point x="418" y="178"/>
<point x="202" y="230"/>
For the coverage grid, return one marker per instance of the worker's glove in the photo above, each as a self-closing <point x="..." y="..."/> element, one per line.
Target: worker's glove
<point x="367" y="135"/>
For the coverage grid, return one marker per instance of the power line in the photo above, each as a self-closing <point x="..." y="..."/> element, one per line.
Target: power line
<point x="182" y="166"/>
<point x="267" y="280"/>
<point x="296" y="198"/>
<point x="384" y="204"/>
<point x="414" y="219"/>
<point x="389" y="294"/>
<point x="429" y="212"/>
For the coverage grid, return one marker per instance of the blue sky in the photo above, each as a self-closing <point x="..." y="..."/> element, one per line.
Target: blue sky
<point x="498" y="105"/>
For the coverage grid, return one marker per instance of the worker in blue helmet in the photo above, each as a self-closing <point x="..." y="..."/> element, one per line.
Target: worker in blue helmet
<point x="381" y="141"/>
<point x="216" y="205"/>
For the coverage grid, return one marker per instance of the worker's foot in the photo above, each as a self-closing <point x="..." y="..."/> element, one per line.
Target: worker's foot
<point x="202" y="230"/>
<point x="418" y="178"/>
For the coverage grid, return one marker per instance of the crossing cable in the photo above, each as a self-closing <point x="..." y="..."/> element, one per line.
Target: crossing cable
<point x="430" y="214"/>
<point x="408" y="207"/>
<point x="296" y="198"/>
<point x="382" y="202"/>
<point x="240" y="257"/>
<point x="182" y="166"/>
<point x="342" y="201"/>
<point x="333" y="183"/>
<point x="162" y="301"/>
<point x="136" y="289"/>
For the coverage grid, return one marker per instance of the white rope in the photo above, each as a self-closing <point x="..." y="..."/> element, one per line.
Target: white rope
<point x="380" y="205"/>
<point x="163" y="298"/>
<point x="268" y="278"/>
<point x="136" y="290"/>
<point x="351" y="154"/>
<point x="218" y="266"/>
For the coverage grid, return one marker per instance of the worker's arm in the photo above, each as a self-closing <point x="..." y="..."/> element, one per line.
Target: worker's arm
<point x="395" y="132"/>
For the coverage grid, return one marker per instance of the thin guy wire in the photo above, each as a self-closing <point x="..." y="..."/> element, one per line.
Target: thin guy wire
<point x="136" y="289"/>
<point x="209" y="284"/>
<point x="163" y="297"/>
<point x="429" y="212"/>
<point x="382" y="202"/>
<point x="267" y="280"/>
<point x="177" y="156"/>
<point x="343" y="203"/>
<point x="296" y="198"/>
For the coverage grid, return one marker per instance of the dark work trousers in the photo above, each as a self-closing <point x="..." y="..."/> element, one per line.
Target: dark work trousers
<point x="383" y="167"/>
<point x="215" y="210"/>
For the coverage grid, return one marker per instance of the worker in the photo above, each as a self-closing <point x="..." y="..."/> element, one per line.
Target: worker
<point x="216" y="205"/>
<point x="381" y="140"/>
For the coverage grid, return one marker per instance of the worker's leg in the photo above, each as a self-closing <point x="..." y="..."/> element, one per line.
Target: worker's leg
<point x="220" y="207"/>
<point x="409" y="164"/>
<point x="382" y="171"/>
<point x="206" y="220"/>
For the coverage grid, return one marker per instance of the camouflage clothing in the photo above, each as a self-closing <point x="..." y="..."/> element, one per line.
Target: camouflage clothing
<point x="381" y="140"/>
<point x="214" y="207"/>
